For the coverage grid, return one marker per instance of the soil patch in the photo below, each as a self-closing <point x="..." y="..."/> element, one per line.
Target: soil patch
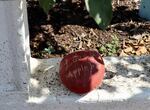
<point x="68" y="28"/>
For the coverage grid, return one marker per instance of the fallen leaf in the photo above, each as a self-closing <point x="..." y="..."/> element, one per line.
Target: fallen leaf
<point x="124" y="44"/>
<point x="141" y="42"/>
<point x="89" y="43"/>
<point x="136" y="47"/>
<point x="135" y="44"/>
<point x="123" y="54"/>
<point x="136" y="37"/>
<point x="133" y="52"/>
<point x="132" y="42"/>
<point x="128" y="49"/>
<point x="148" y="39"/>
<point x="141" y="50"/>
<point x="80" y="44"/>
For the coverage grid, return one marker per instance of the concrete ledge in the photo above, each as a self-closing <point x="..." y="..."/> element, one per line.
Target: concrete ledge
<point x="125" y="87"/>
<point x="17" y="101"/>
<point x="14" y="46"/>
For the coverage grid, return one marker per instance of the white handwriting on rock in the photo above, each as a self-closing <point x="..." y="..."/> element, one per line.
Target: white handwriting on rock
<point x="81" y="70"/>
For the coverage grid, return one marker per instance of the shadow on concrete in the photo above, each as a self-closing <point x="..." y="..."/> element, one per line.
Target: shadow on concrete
<point x="48" y="83"/>
<point x="45" y="79"/>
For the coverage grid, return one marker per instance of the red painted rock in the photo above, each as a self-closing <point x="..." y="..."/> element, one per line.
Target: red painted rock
<point x="82" y="71"/>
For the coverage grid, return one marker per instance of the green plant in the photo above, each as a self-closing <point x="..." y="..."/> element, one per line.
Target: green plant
<point x="49" y="50"/>
<point x="100" y="10"/>
<point x="111" y="47"/>
<point x="47" y="4"/>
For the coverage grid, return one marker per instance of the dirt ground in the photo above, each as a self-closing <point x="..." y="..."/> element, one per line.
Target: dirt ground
<point x="68" y="28"/>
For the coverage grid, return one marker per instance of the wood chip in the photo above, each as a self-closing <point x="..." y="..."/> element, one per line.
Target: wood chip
<point x="136" y="37"/>
<point x="141" y="42"/>
<point x="141" y="50"/>
<point x="128" y="49"/>
<point x="124" y="43"/>
<point x="123" y="53"/>
<point x="89" y="43"/>
<point x="80" y="44"/>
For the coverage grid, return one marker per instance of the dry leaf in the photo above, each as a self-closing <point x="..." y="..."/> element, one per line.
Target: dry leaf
<point x="148" y="39"/>
<point x="89" y="43"/>
<point x="133" y="52"/>
<point x="124" y="44"/>
<point x="136" y="37"/>
<point x="80" y="44"/>
<point x="132" y="42"/>
<point x="141" y="42"/>
<point x="141" y="50"/>
<point x="136" y="47"/>
<point x="123" y="54"/>
<point x="128" y="49"/>
<point x="135" y="44"/>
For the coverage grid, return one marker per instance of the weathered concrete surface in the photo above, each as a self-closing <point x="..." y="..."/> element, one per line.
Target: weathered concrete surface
<point x="145" y="9"/>
<point x="17" y="101"/>
<point x="128" y="74"/>
<point x="14" y="46"/>
<point x="126" y="85"/>
<point x="127" y="89"/>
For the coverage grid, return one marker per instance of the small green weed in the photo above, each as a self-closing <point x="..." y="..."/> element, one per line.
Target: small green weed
<point x="50" y="49"/>
<point x="110" y="48"/>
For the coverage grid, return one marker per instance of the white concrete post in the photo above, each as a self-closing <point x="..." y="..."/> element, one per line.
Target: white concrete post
<point x="145" y="9"/>
<point x="14" y="46"/>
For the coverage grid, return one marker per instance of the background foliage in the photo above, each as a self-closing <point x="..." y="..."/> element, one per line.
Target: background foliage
<point x="100" y="10"/>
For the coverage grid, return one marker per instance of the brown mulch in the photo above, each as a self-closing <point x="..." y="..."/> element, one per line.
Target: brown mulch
<point x="68" y="28"/>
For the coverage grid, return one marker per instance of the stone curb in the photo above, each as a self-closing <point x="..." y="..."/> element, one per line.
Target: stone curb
<point x="126" y="90"/>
